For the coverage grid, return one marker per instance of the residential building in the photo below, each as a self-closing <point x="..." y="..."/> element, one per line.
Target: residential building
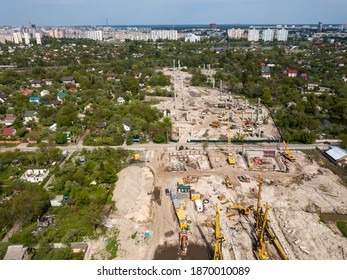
<point x="292" y="73"/>
<point x="9" y="132"/>
<point x="164" y="34"/>
<point x="282" y="35"/>
<point x="61" y="96"/>
<point x="253" y="35"/>
<point x="268" y="35"/>
<point x="96" y="35"/>
<point x="110" y="76"/>
<point x="38" y="38"/>
<point x="236" y="33"/>
<point x="320" y="27"/>
<point x="30" y="115"/>
<point x="26" y="38"/>
<point x="9" y="119"/>
<point x="192" y="38"/>
<point x="120" y="100"/>
<point x="68" y="80"/>
<point x="337" y="154"/>
<point x="36" y="83"/>
<point x="3" y="96"/>
<point x="34" y="99"/>
<point x="126" y="125"/>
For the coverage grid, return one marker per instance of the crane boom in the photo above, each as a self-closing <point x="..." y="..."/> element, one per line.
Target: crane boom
<point x="288" y="153"/>
<point x="219" y="238"/>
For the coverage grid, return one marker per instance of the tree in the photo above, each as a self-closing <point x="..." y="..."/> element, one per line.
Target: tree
<point x="60" y="138"/>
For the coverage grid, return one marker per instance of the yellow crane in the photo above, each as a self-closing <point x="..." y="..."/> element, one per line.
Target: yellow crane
<point x="231" y="159"/>
<point x="288" y="153"/>
<point x="262" y="225"/>
<point x="261" y="241"/>
<point x="218" y="237"/>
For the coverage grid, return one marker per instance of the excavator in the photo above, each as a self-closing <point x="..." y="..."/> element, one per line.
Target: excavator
<point x="218" y="237"/>
<point x="183" y="243"/>
<point x="231" y="159"/>
<point x="242" y="210"/>
<point x="288" y="154"/>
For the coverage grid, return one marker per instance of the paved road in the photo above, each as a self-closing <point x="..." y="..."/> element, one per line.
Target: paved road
<point x="174" y="146"/>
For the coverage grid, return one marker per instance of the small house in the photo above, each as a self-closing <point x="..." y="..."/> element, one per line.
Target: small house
<point x="61" y="96"/>
<point x="337" y="155"/>
<point x="9" y="119"/>
<point x="292" y="73"/>
<point x="110" y="76"/>
<point x="312" y="86"/>
<point x="36" y="83"/>
<point x="120" y="100"/>
<point x="3" y="96"/>
<point x="34" y="99"/>
<point x="30" y="115"/>
<point x="8" y="132"/>
<point x="126" y="125"/>
<point x="57" y="201"/>
<point x="68" y="80"/>
<point x="45" y="92"/>
<point x="48" y="82"/>
<point x="266" y="75"/>
<point x="27" y="91"/>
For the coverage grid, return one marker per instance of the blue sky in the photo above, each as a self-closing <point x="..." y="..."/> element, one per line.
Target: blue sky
<point x="132" y="12"/>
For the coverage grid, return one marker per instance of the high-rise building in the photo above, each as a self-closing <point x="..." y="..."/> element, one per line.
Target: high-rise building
<point x="268" y="34"/>
<point x="164" y="34"/>
<point x="236" y="33"/>
<point x="16" y="38"/>
<point x="282" y="35"/>
<point x="38" y="38"/>
<point x="320" y="27"/>
<point x="253" y="35"/>
<point x="94" y="35"/>
<point x="26" y="38"/>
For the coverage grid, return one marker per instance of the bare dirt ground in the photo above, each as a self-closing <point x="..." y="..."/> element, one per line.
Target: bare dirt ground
<point x="295" y="199"/>
<point x="145" y="218"/>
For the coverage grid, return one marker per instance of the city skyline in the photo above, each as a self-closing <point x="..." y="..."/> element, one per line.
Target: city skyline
<point x="155" y="12"/>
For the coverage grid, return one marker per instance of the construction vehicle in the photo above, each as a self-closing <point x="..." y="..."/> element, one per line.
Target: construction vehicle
<point x="261" y="251"/>
<point x="288" y="154"/>
<point x="228" y="183"/>
<point x="231" y="159"/>
<point x="219" y="238"/>
<point x="183" y="243"/>
<point x="242" y="210"/>
<point x="262" y="223"/>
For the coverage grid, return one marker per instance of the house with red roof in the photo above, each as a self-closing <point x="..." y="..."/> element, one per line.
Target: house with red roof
<point x="8" y="132"/>
<point x="292" y="73"/>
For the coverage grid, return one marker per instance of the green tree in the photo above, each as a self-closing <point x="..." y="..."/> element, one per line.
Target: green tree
<point x="60" y="138"/>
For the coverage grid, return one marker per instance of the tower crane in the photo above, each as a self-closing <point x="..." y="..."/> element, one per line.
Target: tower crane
<point x="218" y="237"/>
<point x="231" y="159"/>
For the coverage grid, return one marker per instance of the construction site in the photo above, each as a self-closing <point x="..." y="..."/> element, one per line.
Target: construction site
<point x="225" y="201"/>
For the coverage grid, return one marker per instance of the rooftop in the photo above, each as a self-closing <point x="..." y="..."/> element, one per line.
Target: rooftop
<point x="336" y="152"/>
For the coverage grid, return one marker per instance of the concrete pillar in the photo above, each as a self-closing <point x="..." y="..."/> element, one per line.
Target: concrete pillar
<point x="243" y="115"/>
<point x="252" y="116"/>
